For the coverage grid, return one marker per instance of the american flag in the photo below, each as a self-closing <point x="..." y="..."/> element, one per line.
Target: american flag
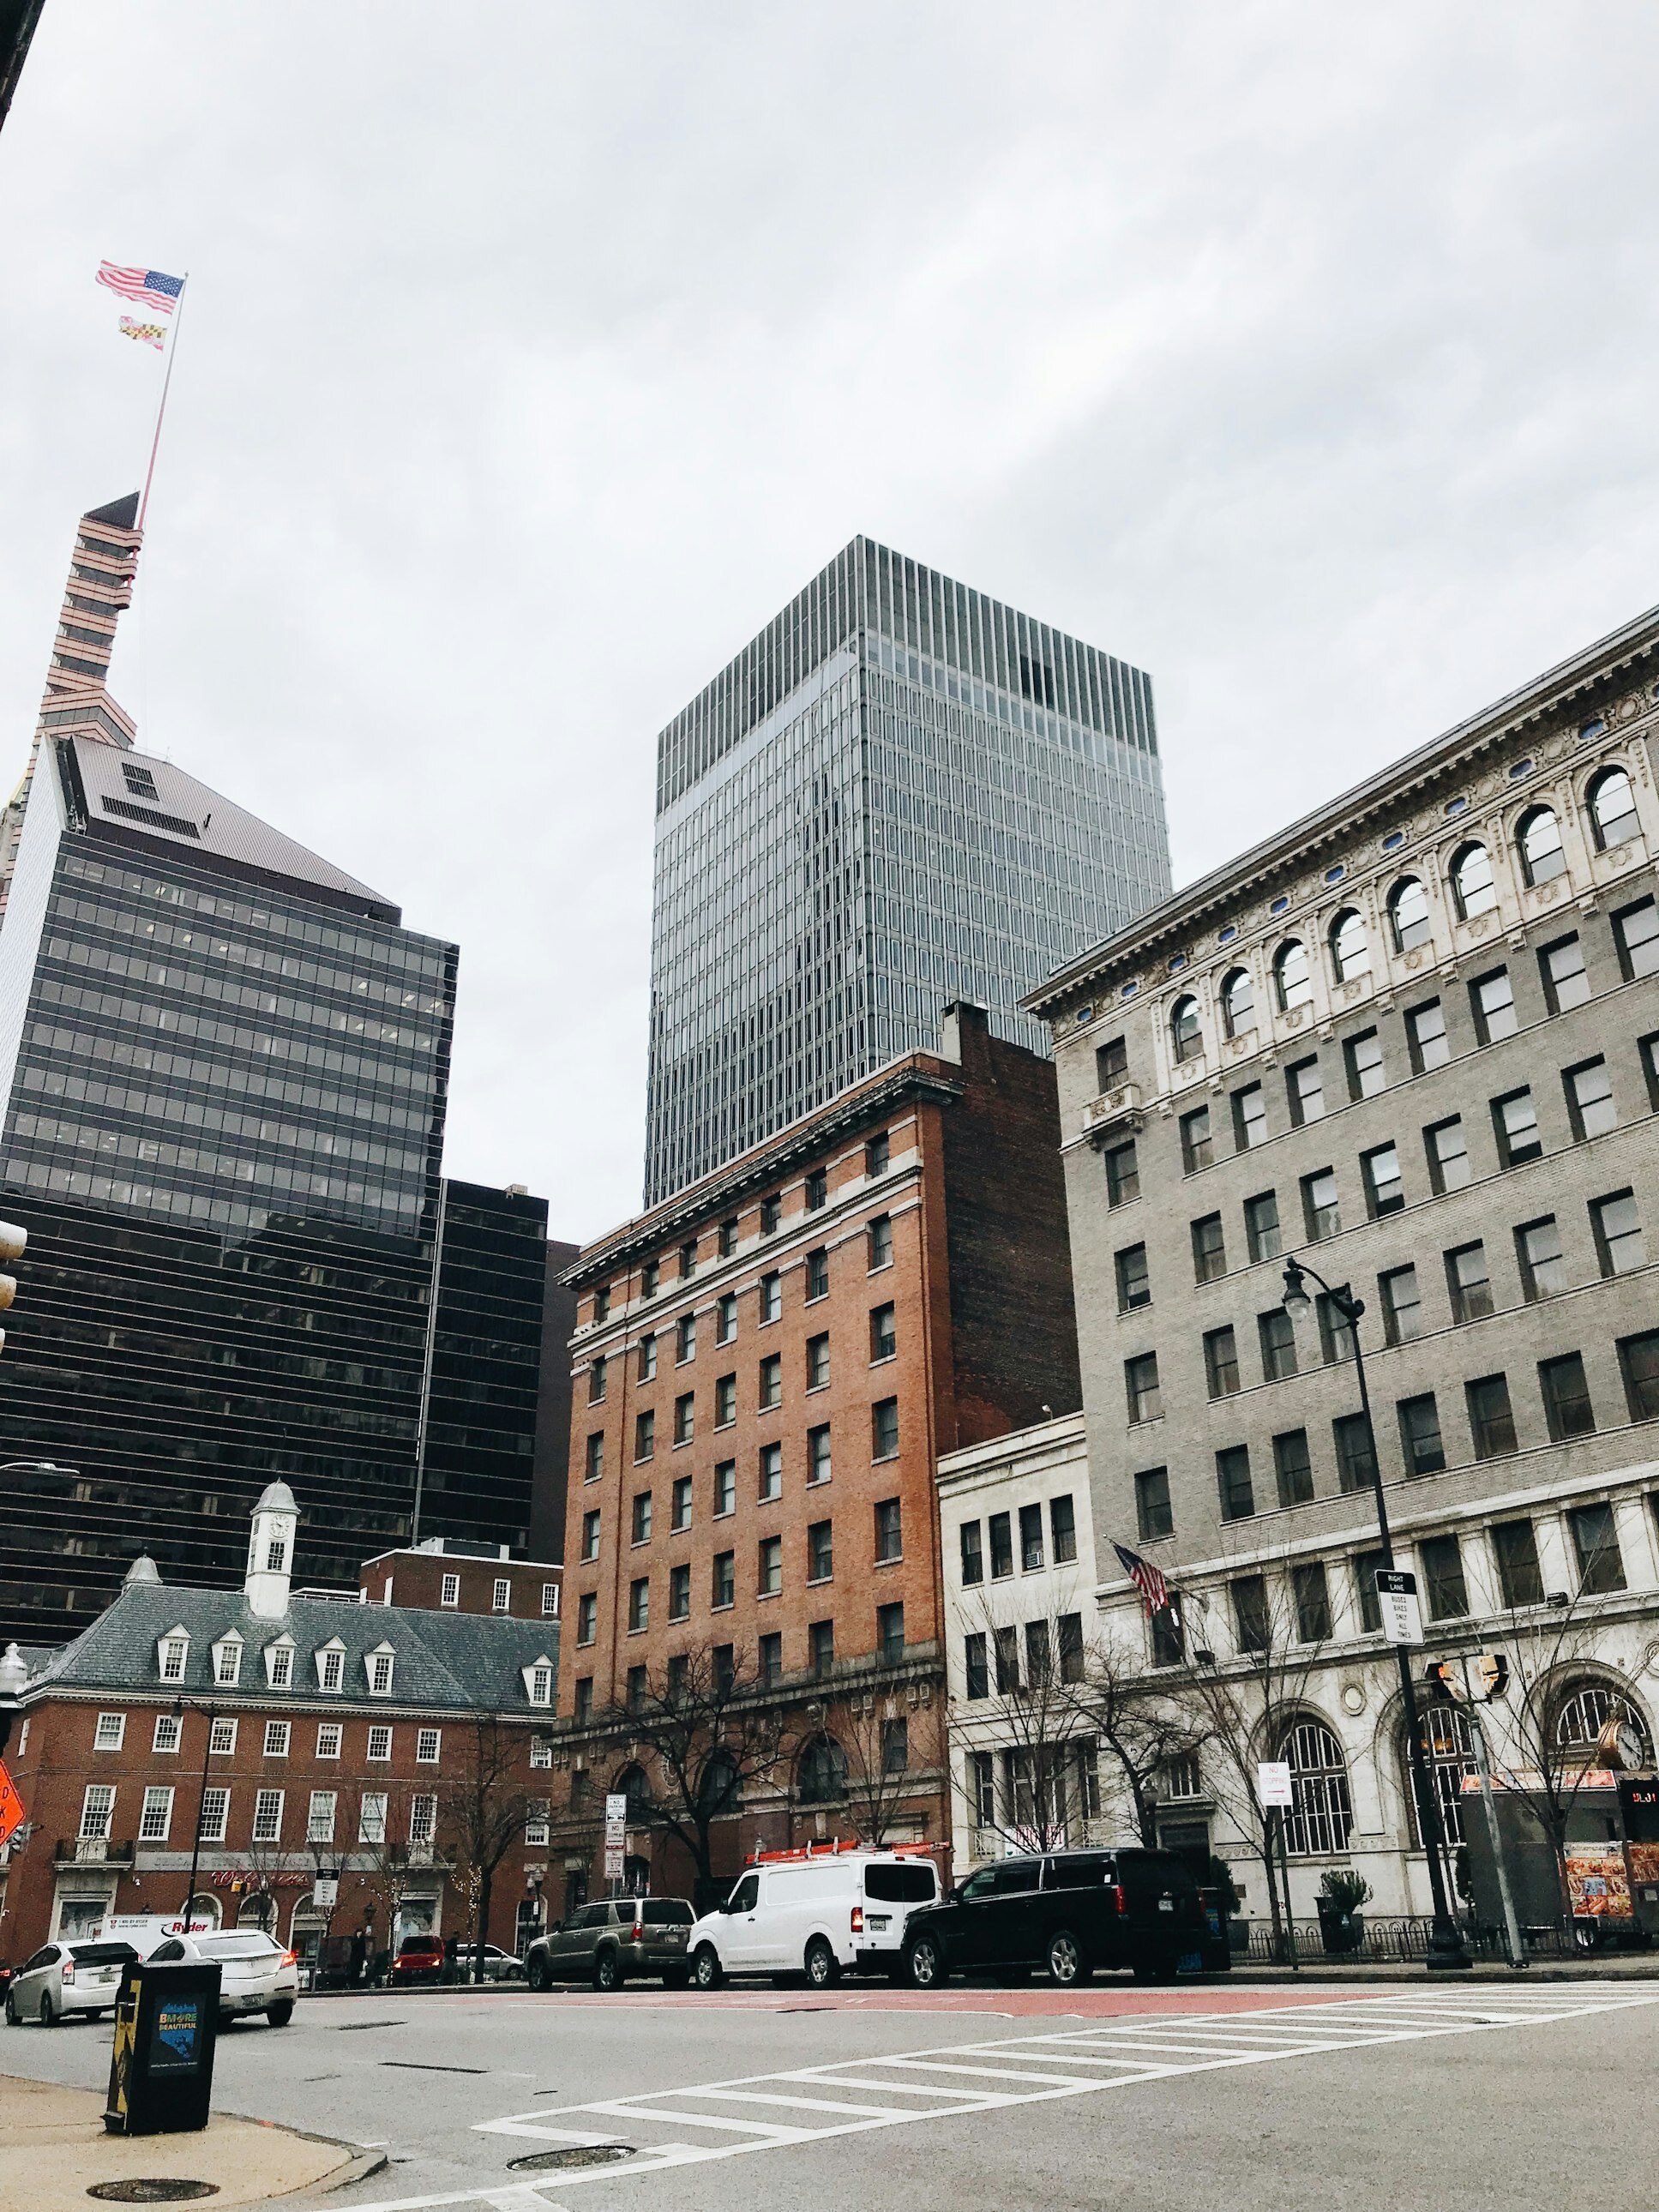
<point x="151" y="287"/>
<point x="1154" y="1590"/>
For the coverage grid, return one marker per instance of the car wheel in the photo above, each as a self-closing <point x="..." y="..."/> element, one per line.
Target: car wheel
<point x="12" y="2020"/>
<point x="48" y="2011"/>
<point x="822" y="1968"/>
<point x="676" y="1977"/>
<point x="1064" y="1960"/>
<point x="924" y="1964"/>
<point x="707" y="1971"/>
<point x="608" y="1973"/>
<point x="281" y="2013"/>
<point x="537" y="1975"/>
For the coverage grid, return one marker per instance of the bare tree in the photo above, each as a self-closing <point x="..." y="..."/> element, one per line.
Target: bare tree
<point x="1143" y="1732"/>
<point x="1038" y="1727"/>
<point x="884" y="1742"/>
<point x="380" y="1820"/>
<point x="483" y="1810"/>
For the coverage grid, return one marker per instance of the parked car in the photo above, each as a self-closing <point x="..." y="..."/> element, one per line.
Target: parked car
<point x="79" y="1974"/>
<point x="499" y="1966"/>
<point x="255" y="1973"/>
<point x="420" y="1958"/>
<point x="614" y="1942"/>
<point x="1069" y="1912"/>
<point x="819" y="1913"/>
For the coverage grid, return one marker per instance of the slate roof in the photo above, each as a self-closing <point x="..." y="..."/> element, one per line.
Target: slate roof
<point x="446" y="1662"/>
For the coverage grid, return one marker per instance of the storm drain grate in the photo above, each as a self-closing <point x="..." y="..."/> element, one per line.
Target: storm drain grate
<point x="160" y="2191"/>
<point x="574" y="2154"/>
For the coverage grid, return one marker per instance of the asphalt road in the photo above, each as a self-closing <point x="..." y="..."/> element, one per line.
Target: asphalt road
<point x="1215" y="2097"/>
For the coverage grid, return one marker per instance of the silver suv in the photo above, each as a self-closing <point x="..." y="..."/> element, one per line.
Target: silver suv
<point x="609" y="1944"/>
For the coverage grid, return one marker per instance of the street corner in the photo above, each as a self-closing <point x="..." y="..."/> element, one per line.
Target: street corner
<point x="55" y="2153"/>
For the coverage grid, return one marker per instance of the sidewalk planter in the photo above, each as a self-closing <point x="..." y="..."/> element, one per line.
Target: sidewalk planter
<point x="1340" y="1932"/>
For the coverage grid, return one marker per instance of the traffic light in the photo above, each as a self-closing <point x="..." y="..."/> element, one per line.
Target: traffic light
<point x="1439" y="1679"/>
<point x="14" y="1242"/>
<point x="1491" y="1671"/>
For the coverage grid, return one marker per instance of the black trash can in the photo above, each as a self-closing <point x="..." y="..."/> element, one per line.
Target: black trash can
<point x="160" y="2070"/>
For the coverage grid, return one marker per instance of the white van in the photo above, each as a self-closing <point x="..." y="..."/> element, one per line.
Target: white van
<point x="819" y="1913"/>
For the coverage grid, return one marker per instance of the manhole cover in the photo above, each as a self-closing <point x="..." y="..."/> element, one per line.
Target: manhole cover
<point x="160" y="2190"/>
<point x="575" y="2155"/>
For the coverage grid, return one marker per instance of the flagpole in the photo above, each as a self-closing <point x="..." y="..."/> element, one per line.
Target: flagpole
<point x="155" y="444"/>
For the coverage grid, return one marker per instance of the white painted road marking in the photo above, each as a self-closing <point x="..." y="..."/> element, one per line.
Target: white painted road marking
<point x="1207" y="2042"/>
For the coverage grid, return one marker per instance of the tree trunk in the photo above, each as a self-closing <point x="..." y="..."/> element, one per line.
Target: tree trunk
<point x="486" y="1883"/>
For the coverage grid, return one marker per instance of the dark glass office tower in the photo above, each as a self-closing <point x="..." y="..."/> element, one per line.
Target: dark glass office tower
<point x="900" y="793"/>
<point x="224" y="1063"/>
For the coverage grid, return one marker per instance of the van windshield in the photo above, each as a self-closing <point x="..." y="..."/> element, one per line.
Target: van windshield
<point x="900" y="1885"/>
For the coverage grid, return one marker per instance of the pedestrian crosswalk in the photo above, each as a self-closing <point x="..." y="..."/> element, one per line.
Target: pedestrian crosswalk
<point x="794" y="2105"/>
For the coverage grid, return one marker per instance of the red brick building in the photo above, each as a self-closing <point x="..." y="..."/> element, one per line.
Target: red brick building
<point x="766" y="1368"/>
<point x="451" y="1576"/>
<point x="371" y="1745"/>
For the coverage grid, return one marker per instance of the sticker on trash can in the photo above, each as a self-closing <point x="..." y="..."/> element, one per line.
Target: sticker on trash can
<point x="176" y="2042"/>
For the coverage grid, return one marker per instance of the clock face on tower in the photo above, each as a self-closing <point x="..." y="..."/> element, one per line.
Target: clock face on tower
<point x="1627" y="1743"/>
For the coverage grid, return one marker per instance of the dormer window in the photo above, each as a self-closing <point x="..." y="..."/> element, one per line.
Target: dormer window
<point x="172" y="1653"/>
<point x="279" y="1664"/>
<point x="539" y="1681"/>
<point x="330" y="1667"/>
<point x="378" y="1665"/>
<point x="228" y="1661"/>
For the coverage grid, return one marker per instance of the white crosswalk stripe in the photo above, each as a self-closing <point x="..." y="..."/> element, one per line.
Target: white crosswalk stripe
<point x="969" y="2079"/>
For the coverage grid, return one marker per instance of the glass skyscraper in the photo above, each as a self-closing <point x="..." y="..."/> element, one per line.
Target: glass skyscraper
<point x="900" y="793"/>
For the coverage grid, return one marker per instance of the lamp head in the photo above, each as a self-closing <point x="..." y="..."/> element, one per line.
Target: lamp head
<point x="1296" y="1301"/>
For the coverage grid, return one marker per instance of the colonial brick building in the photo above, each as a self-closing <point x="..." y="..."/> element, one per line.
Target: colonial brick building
<point x="445" y="1572"/>
<point x="767" y="1367"/>
<point x="317" y="1742"/>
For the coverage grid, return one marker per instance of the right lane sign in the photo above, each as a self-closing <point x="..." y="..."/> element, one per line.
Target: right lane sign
<point x="1396" y="1600"/>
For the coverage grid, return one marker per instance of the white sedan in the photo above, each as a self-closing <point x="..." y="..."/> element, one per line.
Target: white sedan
<point x="78" y="1974"/>
<point x="255" y="1973"/>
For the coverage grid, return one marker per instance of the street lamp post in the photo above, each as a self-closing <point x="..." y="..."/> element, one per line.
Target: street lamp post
<point x="1446" y="1951"/>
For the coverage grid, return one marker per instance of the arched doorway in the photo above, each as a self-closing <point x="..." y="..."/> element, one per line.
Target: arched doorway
<point x="203" y="1908"/>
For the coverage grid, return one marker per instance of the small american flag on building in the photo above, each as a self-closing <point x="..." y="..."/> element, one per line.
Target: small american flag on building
<point x="1155" y="1591"/>
<point x="150" y="287"/>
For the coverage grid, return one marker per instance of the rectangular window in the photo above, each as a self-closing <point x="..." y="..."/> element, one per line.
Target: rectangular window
<point x="1030" y="1538"/>
<point x="1111" y="1063"/>
<point x="877" y="1154"/>
<point x="889" y="1633"/>
<point x="640" y="1526"/>
<point x="645" y="1434"/>
<point x="593" y="1461"/>
<point x="821" y="1647"/>
<point x="371" y="1817"/>
<point x="1133" y="1287"/>
<point x="156" y="1818"/>
<point x="591" y="1534"/>
<point x="319" y="1817"/>
<point x="1062" y="1529"/>
<point x="97" y="1807"/>
<point x="1420" y="1444"/>
<point x="771" y="1298"/>
<point x="1636" y="933"/>
<point x="1122" y="1174"/>
<point x="1366" y="1564"/>
<point x="1249" y="1117"/>
<point x="1590" y="1098"/>
<point x="973" y="1552"/>
<point x="1426" y="1036"/>
<point x="587" y="1617"/>
<point x="818" y="1275"/>
<point x="685" y="1339"/>
<point x="1492" y="1002"/>
<point x="726" y="1488"/>
<point x="1619" y="1247"/>
<point x="1221" y="1361"/>
<point x="1567" y="1407"/>
<point x="1467" y="1283"/>
<point x="428" y="1746"/>
<point x="1402" y="1306"/>
<point x="1292" y="1468"/>
<point x="1304" y="1092"/>
<point x="1039" y="1658"/>
<point x="1068" y="1634"/>
<point x="638" y="1605"/>
<point x="1232" y="1474"/>
<point x="725" y="1401"/>
<point x="769" y="1562"/>
<point x="1140" y="1387"/>
<point x="1385" y="1187"/>
<point x="1154" y="1515"/>
<point x="976" y="1669"/>
<point x="1312" y="1595"/>
<point x="723" y="1581"/>
<point x="771" y="1381"/>
<point x="771" y="1473"/>
<point x="1197" y="1145"/>
<point x="450" y="1592"/>
<point x="687" y="1259"/>
<point x="1356" y="1455"/>
<point x="650" y="1278"/>
<point x="1209" y="1252"/>
<point x="215" y="1815"/>
<point x="596" y="1381"/>
<point x="584" y="1707"/>
<point x="329" y="1737"/>
<point x="883" y="1334"/>
<point x="277" y="1735"/>
<point x="1319" y="1206"/>
<point x="818" y="1189"/>
<point x="889" y="1531"/>
<point x="770" y="1657"/>
<point x="647" y="1358"/>
<point x="1005" y="1645"/>
<point x="1448" y="1151"/>
<point x="1262" y="1225"/>
<point x="1251" y="1625"/>
<point x="820" y="1552"/>
<point x="728" y="1236"/>
<point x="879" y="1240"/>
<point x="1364" y="1056"/>
<point x="1515" y="1122"/>
<point x="679" y="1506"/>
<point x="1561" y="965"/>
<point x="602" y="1302"/>
<point x="771" y="1213"/>
<point x="1335" y="1331"/>
<point x="817" y="1453"/>
<point x="1167" y="1638"/>
<point x="1638" y="1362"/>
<point x="422" y="1818"/>
<point x="380" y="1743"/>
<point x="1538" y="1252"/>
<point x="268" y="1816"/>
<point x="725" y="1317"/>
<point x="1277" y="1341"/>
<point x="1002" y="1546"/>
<point x="1595" y="1542"/>
<point x="884" y="1429"/>
<point x="1446" y="1595"/>
<point x="111" y="1732"/>
<point x="1491" y="1421"/>
<point x="1520" y="1577"/>
<point x="679" y="1592"/>
<point x="817" y="1361"/>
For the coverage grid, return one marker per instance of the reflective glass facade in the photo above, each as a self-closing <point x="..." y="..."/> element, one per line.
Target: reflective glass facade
<point x="901" y="792"/>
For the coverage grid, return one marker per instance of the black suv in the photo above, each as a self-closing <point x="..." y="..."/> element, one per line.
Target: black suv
<point x="608" y="1944"/>
<point x="1069" y="1913"/>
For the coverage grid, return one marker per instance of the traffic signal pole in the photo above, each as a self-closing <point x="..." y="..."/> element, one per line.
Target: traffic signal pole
<point x="1483" y="1767"/>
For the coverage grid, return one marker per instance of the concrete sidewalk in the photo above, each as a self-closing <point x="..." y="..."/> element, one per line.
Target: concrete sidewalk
<point x="53" y="2148"/>
<point x="1625" y="1966"/>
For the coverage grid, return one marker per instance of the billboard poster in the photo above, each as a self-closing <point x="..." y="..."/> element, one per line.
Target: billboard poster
<point x="1598" y="1886"/>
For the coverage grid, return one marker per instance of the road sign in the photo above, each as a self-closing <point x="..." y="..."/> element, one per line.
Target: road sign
<point x="1273" y="1783"/>
<point x="11" y="1805"/>
<point x="325" y="1893"/>
<point x="613" y="1862"/>
<point x="1396" y="1600"/>
<point x="615" y="1821"/>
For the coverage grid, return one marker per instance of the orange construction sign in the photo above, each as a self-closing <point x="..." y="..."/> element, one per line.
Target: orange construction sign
<point x="11" y="1806"/>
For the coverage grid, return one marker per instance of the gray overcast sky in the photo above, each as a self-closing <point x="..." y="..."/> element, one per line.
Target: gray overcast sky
<point x="537" y="353"/>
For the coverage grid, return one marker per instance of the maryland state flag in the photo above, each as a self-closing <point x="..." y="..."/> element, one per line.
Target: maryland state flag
<point x="11" y="1806"/>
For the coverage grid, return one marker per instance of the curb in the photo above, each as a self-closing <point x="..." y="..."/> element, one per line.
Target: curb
<point x="361" y="2164"/>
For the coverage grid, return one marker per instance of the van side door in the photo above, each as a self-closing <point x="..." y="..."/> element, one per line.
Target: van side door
<point x="740" y="1938"/>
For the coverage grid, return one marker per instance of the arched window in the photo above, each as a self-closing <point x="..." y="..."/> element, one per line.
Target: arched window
<point x="1351" y="946"/>
<point x="1451" y="1756"/>
<point x="1292" y="977"/>
<point x="1185" y="1035"/>
<point x="1473" y="887"/>
<point x="257" y="1910"/>
<point x="1585" y="1709"/>
<point x="717" y="1786"/>
<point x="1408" y="913"/>
<point x="1237" y="1002"/>
<point x="1612" y="809"/>
<point x="821" y="1778"/>
<point x="1537" y="835"/>
<point x="632" y="1785"/>
<point x="1322" y="1818"/>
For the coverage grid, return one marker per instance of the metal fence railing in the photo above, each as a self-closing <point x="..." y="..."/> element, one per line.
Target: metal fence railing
<point x="1395" y="1940"/>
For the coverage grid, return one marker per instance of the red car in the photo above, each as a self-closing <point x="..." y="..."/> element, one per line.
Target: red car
<point x="420" y="1958"/>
